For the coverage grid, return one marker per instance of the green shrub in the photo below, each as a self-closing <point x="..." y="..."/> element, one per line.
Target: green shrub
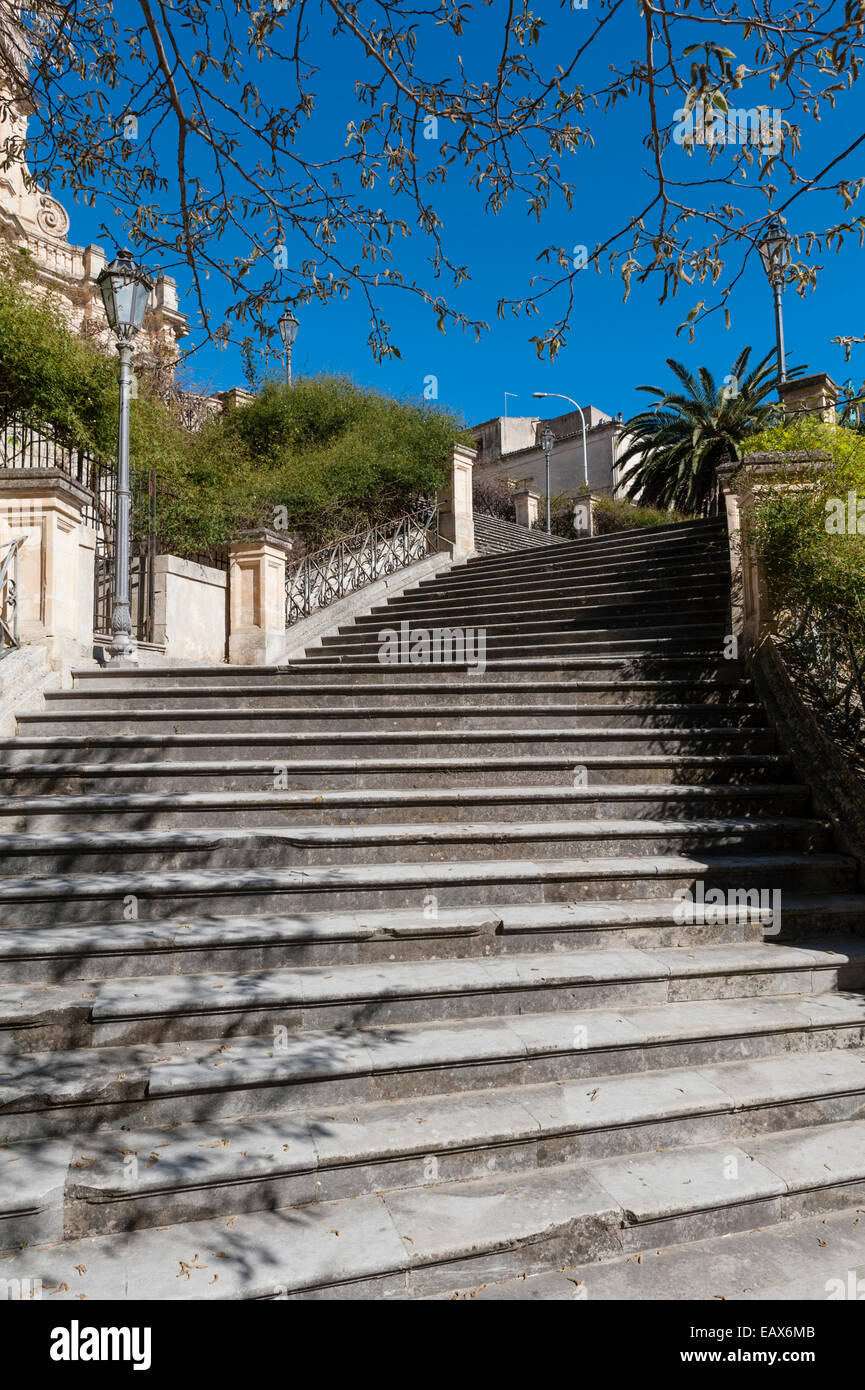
<point x="330" y="455"/>
<point x="806" y="563"/>
<point x="609" y="514"/>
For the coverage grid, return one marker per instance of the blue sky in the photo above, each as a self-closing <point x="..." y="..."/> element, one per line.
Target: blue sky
<point x="613" y="346"/>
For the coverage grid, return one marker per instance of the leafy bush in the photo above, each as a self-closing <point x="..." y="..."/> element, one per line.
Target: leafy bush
<point x="331" y="456"/>
<point x="609" y="514"/>
<point x="806" y="562"/>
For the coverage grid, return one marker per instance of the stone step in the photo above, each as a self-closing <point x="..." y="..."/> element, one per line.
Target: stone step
<point x="627" y="610"/>
<point x="575" y="594"/>
<point x="543" y="577"/>
<point x="224" y="1005"/>
<point x="222" y="846"/>
<point x="165" y="810"/>
<point x="56" y="1094"/>
<point x="588" y="557"/>
<point x="36" y="1017"/>
<point x="124" y="1180"/>
<point x="116" y="949"/>
<point x="695" y="672"/>
<point x="288" y="747"/>
<point x="40" y="775"/>
<point x="370" y="719"/>
<point x="659" y="538"/>
<point x="427" y="1240"/>
<point x="803" y="1260"/>
<point x="636" y="651"/>
<point x="403" y="696"/>
<point x="155" y="895"/>
<point x="626" y="637"/>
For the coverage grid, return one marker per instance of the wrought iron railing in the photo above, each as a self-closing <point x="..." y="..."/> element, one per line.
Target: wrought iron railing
<point x="9" y="594"/>
<point x="354" y="562"/>
<point x="828" y="668"/>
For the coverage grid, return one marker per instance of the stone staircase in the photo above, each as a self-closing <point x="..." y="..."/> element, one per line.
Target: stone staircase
<point x="495" y="536"/>
<point x="362" y="980"/>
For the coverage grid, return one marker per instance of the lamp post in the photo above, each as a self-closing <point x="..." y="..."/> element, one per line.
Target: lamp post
<point x="288" y="326"/>
<point x="556" y="396"/>
<point x="125" y="291"/>
<point x="775" y="254"/>
<point x="547" y="440"/>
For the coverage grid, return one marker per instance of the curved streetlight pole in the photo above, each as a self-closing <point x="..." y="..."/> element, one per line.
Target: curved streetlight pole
<point x="557" y="396"/>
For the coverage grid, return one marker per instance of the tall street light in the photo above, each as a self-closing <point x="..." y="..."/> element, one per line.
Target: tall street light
<point x="288" y="326"/>
<point x="556" y="396"/>
<point x="125" y="291"/>
<point x="775" y="254"/>
<point x="547" y="441"/>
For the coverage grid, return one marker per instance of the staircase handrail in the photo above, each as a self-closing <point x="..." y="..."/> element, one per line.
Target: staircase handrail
<point x="357" y="560"/>
<point x="9" y="639"/>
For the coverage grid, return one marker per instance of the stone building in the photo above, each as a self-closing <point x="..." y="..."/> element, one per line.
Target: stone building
<point x="36" y="223"/>
<point x="509" y="450"/>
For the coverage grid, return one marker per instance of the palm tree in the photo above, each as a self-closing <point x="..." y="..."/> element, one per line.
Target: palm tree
<point x="676" y="446"/>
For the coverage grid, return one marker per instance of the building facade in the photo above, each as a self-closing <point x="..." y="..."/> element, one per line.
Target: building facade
<point x="510" y="452"/>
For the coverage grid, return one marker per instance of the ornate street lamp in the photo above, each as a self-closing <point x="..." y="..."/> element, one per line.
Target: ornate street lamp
<point x="547" y="440"/>
<point x="775" y="254"/>
<point x="288" y="326"/>
<point x="125" y="292"/>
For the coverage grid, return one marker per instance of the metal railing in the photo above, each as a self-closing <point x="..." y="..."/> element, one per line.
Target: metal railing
<point x="9" y="594"/>
<point x="354" y="562"/>
<point x="828" y="668"/>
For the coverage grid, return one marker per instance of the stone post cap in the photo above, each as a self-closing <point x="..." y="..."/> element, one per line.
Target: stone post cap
<point x="526" y="492"/>
<point x="789" y="464"/>
<point x="33" y="482"/>
<point x="261" y="538"/>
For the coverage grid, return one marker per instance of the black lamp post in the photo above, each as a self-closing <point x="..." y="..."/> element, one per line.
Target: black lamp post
<point x="547" y="440"/>
<point x="125" y="292"/>
<point x="288" y="326"/>
<point x="775" y="255"/>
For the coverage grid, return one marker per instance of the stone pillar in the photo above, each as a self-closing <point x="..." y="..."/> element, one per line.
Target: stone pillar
<point x="456" y="514"/>
<point x="810" y="395"/>
<point x="55" y="564"/>
<point x="583" y="517"/>
<point x="526" y="506"/>
<point x="256" y="582"/>
<point x="741" y="485"/>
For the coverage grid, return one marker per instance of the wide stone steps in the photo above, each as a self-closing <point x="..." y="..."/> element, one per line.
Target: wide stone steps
<point x="58" y="1093"/>
<point x="353" y="978"/>
<point x="576" y="595"/>
<point x="375" y="700"/>
<point x="415" y="773"/>
<point x="287" y="749"/>
<point x="662" y="673"/>
<point x="122" y="1180"/>
<point x="120" y="948"/>
<point x="494" y="535"/>
<point x="368" y="719"/>
<point x="544" y="573"/>
<point x="427" y="1239"/>
<point x="221" y="1005"/>
<point x="381" y="805"/>
<point x="454" y="842"/>
<point x="810" y="1258"/>
<point x="157" y="894"/>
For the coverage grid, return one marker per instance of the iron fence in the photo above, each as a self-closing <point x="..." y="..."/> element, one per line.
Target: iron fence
<point x="324" y="576"/>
